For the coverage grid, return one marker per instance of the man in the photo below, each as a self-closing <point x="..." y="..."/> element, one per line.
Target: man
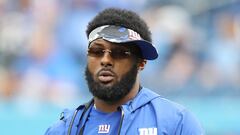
<point x="119" y="45"/>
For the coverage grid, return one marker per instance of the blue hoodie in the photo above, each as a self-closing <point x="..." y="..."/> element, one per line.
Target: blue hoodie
<point x="146" y="114"/>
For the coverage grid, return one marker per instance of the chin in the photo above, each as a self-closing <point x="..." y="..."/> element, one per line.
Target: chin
<point x="107" y="84"/>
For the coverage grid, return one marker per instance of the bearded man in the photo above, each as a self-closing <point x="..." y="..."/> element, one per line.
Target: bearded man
<point x="119" y="46"/>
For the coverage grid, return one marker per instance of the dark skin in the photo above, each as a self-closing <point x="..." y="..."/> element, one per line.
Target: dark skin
<point x="119" y="68"/>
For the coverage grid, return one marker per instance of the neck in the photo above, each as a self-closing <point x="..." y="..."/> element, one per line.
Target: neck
<point x="112" y="107"/>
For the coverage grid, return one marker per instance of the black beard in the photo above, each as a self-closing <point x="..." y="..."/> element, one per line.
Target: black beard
<point x="112" y="94"/>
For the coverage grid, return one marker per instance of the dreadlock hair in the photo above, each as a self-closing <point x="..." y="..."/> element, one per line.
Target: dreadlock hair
<point x="120" y="17"/>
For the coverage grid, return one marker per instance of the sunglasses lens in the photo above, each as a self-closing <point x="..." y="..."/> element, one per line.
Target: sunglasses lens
<point x="120" y="53"/>
<point x="95" y="52"/>
<point x="114" y="53"/>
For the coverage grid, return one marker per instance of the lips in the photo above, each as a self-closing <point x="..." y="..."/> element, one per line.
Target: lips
<point x="105" y="76"/>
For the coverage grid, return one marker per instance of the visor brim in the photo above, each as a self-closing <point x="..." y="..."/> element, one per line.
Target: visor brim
<point x="119" y="34"/>
<point x="148" y="51"/>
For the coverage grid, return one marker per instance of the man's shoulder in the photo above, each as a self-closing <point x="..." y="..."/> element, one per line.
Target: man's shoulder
<point x="178" y="116"/>
<point x="174" y="113"/>
<point x="161" y="102"/>
<point x="164" y="108"/>
<point x="60" y="127"/>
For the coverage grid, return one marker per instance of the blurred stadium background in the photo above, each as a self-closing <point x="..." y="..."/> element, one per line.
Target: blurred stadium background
<point x="43" y="50"/>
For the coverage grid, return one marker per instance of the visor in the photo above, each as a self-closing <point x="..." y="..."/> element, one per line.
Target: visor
<point x="119" y="34"/>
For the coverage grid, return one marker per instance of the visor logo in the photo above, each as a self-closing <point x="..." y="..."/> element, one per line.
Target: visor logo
<point x="134" y="35"/>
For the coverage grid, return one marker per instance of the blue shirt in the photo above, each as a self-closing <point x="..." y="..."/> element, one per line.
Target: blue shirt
<point x="147" y="114"/>
<point x="102" y="123"/>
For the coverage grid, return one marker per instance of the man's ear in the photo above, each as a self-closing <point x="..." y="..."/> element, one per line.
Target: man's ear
<point x="142" y="64"/>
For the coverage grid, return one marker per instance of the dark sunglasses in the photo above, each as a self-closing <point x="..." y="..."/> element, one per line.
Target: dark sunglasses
<point x="116" y="53"/>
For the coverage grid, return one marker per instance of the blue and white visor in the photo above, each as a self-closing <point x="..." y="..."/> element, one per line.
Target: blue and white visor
<point x="119" y="34"/>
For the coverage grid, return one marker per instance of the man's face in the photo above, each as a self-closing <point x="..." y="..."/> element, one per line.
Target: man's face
<point x="111" y="70"/>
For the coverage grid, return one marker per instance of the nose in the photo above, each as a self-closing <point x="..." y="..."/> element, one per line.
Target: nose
<point x="107" y="60"/>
